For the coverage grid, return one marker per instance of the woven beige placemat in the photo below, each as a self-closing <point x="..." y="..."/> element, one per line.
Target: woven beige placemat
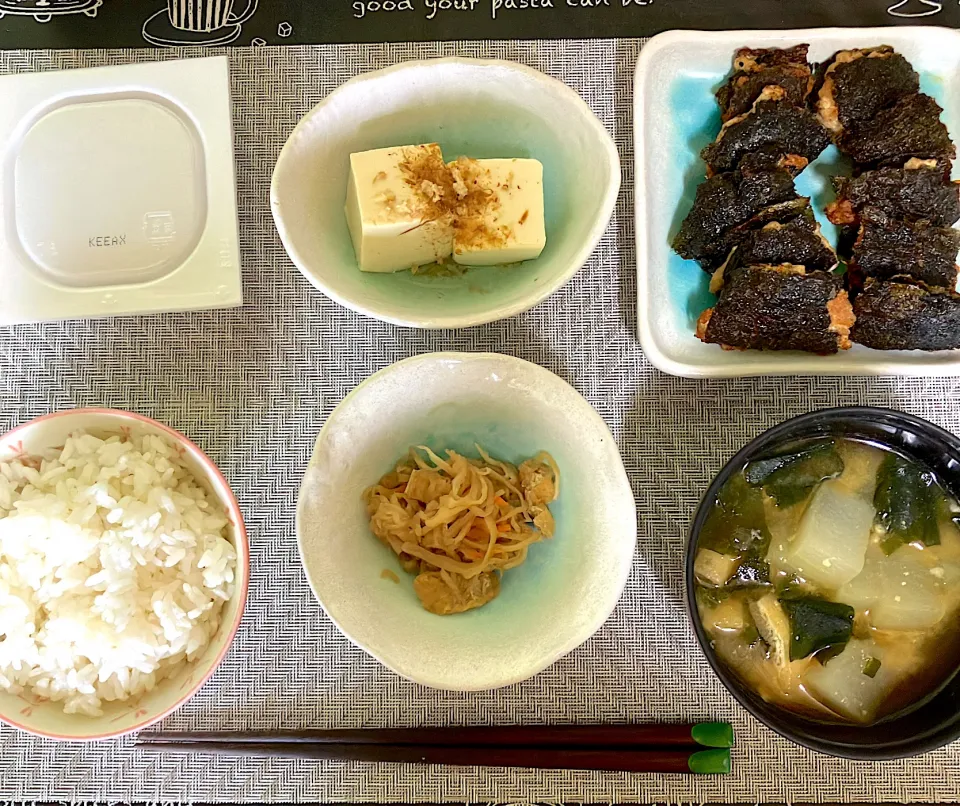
<point x="253" y="386"/>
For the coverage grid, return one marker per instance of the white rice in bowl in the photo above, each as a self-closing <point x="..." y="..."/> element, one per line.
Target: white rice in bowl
<point x="114" y="568"/>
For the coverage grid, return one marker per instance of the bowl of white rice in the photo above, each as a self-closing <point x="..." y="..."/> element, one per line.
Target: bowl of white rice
<point x="124" y="566"/>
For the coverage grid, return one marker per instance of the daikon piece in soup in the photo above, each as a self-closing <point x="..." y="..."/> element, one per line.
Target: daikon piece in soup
<point x="828" y="580"/>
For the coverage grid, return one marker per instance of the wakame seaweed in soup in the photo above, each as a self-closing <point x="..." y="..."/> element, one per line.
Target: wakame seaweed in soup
<point x="828" y="580"/>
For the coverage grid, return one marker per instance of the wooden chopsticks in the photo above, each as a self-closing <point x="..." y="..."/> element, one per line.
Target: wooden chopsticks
<point x="702" y="748"/>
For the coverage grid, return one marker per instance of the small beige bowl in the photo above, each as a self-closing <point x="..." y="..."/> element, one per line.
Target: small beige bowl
<point x="43" y="718"/>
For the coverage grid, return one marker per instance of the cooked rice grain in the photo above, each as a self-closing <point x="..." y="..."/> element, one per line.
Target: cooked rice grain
<point x="114" y="567"/>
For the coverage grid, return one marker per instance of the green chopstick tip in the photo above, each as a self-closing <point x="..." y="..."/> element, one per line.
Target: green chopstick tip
<point x="713" y="734"/>
<point x="710" y="762"/>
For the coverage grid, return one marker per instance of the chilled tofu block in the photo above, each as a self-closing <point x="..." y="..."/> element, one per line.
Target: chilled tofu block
<point x="831" y="544"/>
<point x="504" y="221"/>
<point x="845" y="684"/>
<point x="397" y="202"/>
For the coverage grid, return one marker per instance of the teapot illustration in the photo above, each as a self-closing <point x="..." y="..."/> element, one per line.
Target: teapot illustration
<point x="46" y="10"/>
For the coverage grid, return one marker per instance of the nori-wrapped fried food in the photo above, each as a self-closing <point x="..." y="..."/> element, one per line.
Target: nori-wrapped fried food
<point x="910" y="128"/>
<point x="770" y="158"/>
<point x="723" y="202"/>
<point x="887" y="247"/>
<point x="797" y="241"/>
<point x="771" y="266"/>
<point x="772" y="125"/>
<point x="857" y="84"/>
<point x="903" y="316"/>
<point x="754" y="70"/>
<point x="779" y="308"/>
<point x="921" y="190"/>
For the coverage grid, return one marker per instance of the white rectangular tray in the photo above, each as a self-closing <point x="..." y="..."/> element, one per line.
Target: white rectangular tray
<point x="675" y="115"/>
<point x="117" y="191"/>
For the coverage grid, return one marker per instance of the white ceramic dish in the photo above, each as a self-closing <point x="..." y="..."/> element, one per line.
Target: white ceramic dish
<point x="551" y="604"/>
<point x="43" y="718"/>
<point x="471" y="107"/>
<point x="117" y="191"/>
<point x="675" y="115"/>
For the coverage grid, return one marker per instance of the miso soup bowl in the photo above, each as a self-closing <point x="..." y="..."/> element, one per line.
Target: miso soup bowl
<point x="482" y="108"/>
<point x="928" y="725"/>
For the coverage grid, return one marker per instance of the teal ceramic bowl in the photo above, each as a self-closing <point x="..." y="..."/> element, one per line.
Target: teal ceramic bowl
<point x="471" y="107"/>
<point x="552" y="603"/>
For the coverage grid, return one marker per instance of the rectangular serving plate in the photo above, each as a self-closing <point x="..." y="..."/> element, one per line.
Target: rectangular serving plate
<point x="675" y="115"/>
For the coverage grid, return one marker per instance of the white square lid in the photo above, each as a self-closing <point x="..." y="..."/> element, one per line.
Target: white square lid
<point x="117" y="191"/>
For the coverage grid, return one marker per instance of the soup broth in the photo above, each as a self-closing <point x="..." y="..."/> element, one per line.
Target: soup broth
<point x="828" y="580"/>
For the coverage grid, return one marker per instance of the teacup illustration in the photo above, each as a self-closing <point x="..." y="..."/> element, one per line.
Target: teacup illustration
<point x="198" y="22"/>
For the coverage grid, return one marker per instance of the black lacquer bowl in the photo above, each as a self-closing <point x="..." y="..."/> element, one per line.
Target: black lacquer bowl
<point x="935" y="721"/>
